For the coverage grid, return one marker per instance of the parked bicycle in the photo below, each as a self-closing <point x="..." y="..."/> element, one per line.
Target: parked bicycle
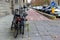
<point x="18" y="22"/>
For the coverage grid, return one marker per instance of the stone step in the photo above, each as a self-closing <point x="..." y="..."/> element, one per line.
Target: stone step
<point x="3" y="14"/>
<point x="4" y="11"/>
<point x="4" y="5"/>
<point x="4" y="8"/>
<point x="1" y="2"/>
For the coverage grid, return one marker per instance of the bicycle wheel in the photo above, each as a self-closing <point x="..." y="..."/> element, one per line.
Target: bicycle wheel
<point x="16" y="30"/>
<point x="12" y="26"/>
<point x="15" y="33"/>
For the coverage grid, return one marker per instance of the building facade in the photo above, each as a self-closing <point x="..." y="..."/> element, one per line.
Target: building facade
<point x="40" y="2"/>
<point x="37" y="2"/>
<point x="44" y="2"/>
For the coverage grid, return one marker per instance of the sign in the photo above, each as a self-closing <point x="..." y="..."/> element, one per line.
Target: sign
<point x="53" y="10"/>
<point x="53" y="4"/>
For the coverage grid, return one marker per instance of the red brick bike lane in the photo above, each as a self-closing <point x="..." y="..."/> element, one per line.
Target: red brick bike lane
<point x="35" y="16"/>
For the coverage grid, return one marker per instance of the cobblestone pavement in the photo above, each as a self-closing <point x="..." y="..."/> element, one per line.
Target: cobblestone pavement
<point x="41" y="28"/>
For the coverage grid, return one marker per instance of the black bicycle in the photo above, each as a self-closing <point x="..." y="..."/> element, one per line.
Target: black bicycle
<point x="18" y="23"/>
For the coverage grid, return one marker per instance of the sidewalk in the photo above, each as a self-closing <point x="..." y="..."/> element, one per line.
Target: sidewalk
<point x="39" y="30"/>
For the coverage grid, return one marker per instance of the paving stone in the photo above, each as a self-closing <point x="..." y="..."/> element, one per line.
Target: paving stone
<point x="36" y="38"/>
<point x="44" y="33"/>
<point x="46" y="38"/>
<point x="34" y="34"/>
<point x="53" y="29"/>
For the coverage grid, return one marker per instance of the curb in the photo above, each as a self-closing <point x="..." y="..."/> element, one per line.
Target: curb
<point x="48" y="15"/>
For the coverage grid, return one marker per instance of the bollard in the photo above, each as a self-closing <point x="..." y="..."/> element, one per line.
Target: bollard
<point x="53" y="10"/>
